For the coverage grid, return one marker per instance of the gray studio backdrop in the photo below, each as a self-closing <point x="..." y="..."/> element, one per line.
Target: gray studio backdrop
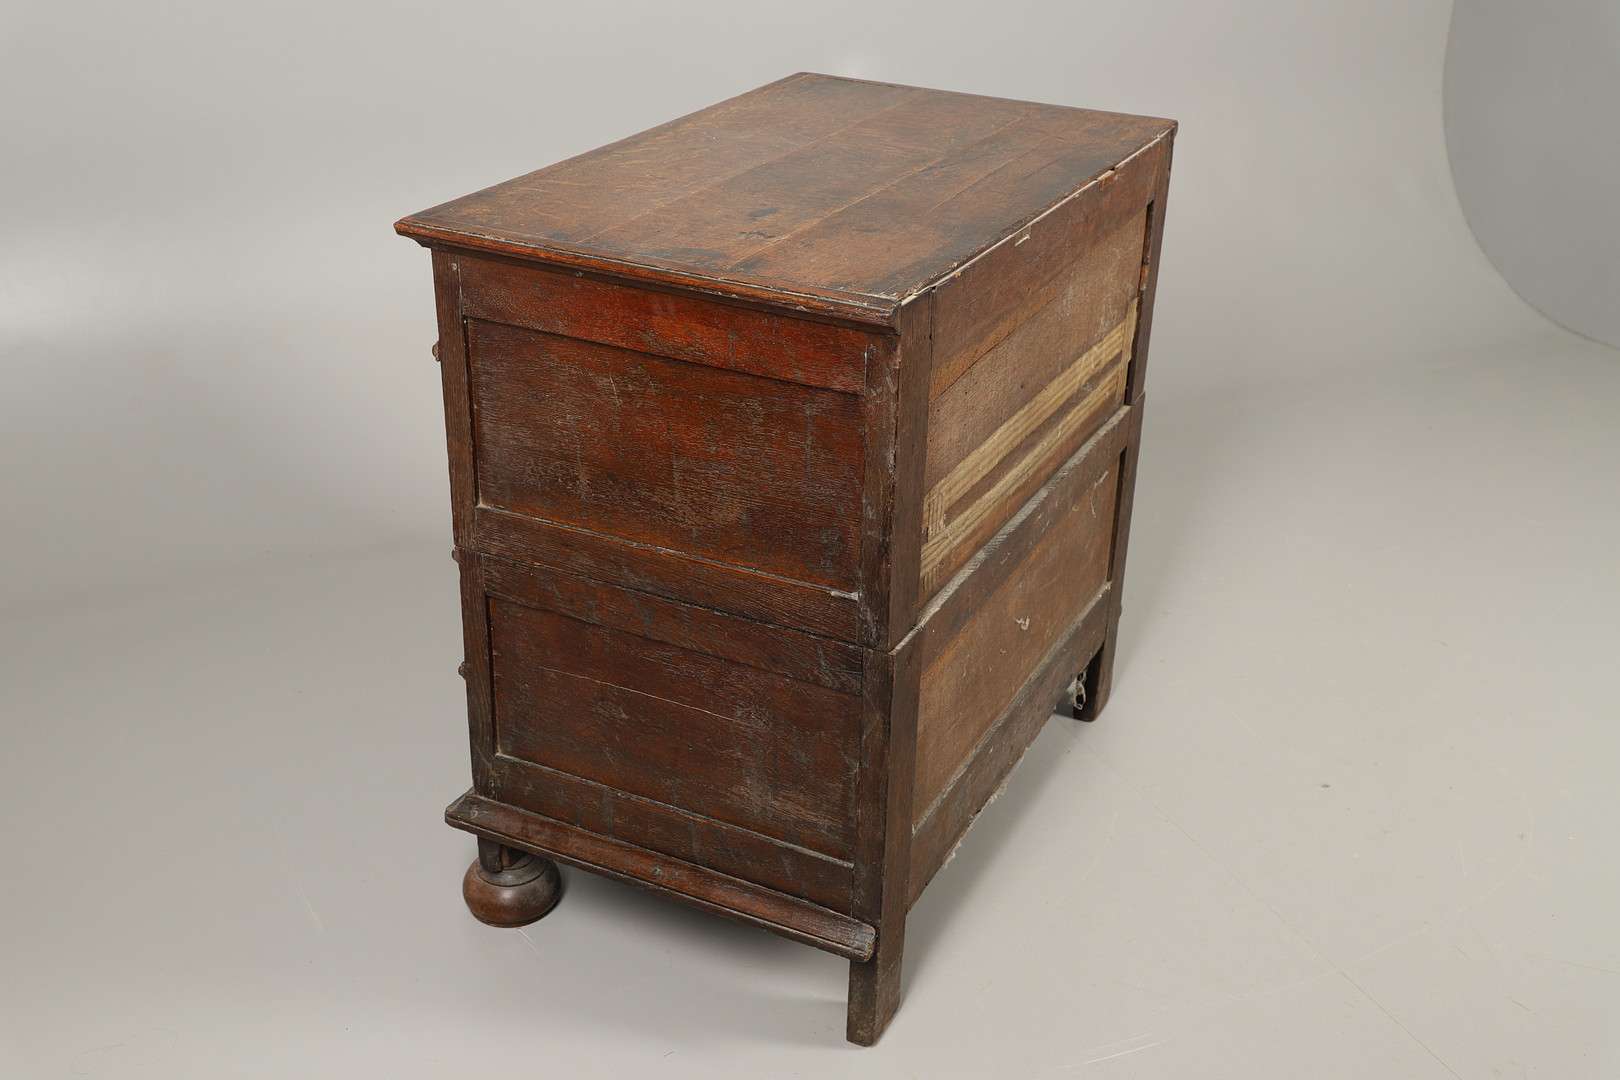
<point x="1533" y="127"/>
<point x="1349" y="814"/>
<point x="215" y="351"/>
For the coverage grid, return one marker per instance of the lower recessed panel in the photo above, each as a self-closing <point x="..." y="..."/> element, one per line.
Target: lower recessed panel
<point x="701" y="734"/>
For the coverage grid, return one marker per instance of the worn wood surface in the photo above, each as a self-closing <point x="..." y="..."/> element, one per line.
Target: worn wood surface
<point x="677" y="574"/>
<point x="1100" y="673"/>
<point x="451" y="352"/>
<point x="982" y="667"/>
<point x="667" y="830"/>
<point x="475" y="668"/>
<point x="827" y="663"/>
<point x="883" y="860"/>
<point x="715" y="463"/>
<point x="742" y="746"/>
<point x="991" y="371"/>
<point x="698" y="886"/>
<point x="792" y="447"/>
<point x="896" y="447"/>
<point x="947" y="819"/>
<point x="508" y="887"/>
<point x="955" y="605"/>
<point x="970" y="503"/>
<point x="995" y="292"/>
<point x="1150" y="272"/>
<point x="846" y="196"/>
<point x="663" y="323"/>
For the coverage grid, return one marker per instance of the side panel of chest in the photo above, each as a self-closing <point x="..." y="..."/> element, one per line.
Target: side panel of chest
<point x="706" y="452"/>
<point x="1025" y="492"/>
<point x="1033" y="344"/>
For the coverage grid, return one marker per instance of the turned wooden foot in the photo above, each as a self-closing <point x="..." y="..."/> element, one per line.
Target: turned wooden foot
<point x="508" y="887"/>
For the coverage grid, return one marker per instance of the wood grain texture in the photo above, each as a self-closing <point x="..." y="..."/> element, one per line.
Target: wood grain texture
<point x="715" y="463"/>
<point x="895" y="425"/>
<point x="1015" y="430"/>
<point x="647" y="568"/>
<point x="948" y="818"/>
<point x="970" y="503"/>
<point x="792" y="447"/>
<point x="1150" y="268"/>
<point x="883" y="860"/>
<point x="736" y="899"/>
<point x="1090" y="297"/>
<point x="669" y="324"/>
<point x="456" y="379"/>
<point x="1002" y="287"/>
<point x="475" y="668"/>
<point x="1100" y="673"/>
<point x="1001" y="647"/>
<point x="736" y="219"/>
<point x="844" y="196"/>
<point x="668" y="830"/>
<point x="746" y="747"/>
<point x="961" y="598"/>
<point x="827" y="663"/>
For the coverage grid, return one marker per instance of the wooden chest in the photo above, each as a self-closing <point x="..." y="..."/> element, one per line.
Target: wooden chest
<point x="791" y="455"/>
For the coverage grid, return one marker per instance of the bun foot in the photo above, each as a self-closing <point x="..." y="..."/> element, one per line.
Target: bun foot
<point x="507" y="887"/>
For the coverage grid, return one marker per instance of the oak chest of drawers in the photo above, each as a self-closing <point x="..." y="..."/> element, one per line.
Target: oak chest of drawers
<point x="791" y="454"/>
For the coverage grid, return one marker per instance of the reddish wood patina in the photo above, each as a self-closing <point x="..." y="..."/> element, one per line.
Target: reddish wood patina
<point x="791" y="452"/>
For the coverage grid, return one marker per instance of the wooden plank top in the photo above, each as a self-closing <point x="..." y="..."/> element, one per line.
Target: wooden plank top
<point x="826" y="194"/>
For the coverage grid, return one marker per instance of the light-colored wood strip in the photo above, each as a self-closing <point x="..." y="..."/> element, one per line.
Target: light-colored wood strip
<point x="950" y="534"/>
<point x="1017" y="428"/>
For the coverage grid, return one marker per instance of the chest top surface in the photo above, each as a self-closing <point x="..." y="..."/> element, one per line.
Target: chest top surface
<point x="839" y="194"/>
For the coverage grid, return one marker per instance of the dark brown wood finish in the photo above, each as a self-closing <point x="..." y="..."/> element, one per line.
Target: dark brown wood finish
<point x="986" y="299"/>
<point x="508" y="887"/>
<point x="947" y="820"/>
<point x="897" y="441"/>
<point x="600" y="810"/>
<point x="698" y="886"/>
<point x="727" y="467"/>
<point x="476" y="668"/>
<point x="451" y="352"/>
<point x="896" y="454"/>
<point x="792" y="447"/>
<point x="1001" y="646"/>
<point x="1099" y="673"/>
<point x="676" y="574"/>
<point x="883" y="861"/>
<point x="676" y="726"/>
<point x="825" y="662"/>
<point x="968" y="173"/>
<point x="669" y="324"/>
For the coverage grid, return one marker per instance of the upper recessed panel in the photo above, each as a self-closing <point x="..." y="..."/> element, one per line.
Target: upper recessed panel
<point x="854" y="192"/>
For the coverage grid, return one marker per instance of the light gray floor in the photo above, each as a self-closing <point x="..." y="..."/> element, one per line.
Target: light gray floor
<point x="1350" y="813"/>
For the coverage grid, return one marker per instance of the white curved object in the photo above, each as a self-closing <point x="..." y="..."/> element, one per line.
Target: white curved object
<point x="1532" y="117"/>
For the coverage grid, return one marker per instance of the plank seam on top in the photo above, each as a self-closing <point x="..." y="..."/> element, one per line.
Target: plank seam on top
<point x="736" y="264"/>
<point x="934" y="276"/>
<point x="720" y="109"/>
<point x="694" y="192"/>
